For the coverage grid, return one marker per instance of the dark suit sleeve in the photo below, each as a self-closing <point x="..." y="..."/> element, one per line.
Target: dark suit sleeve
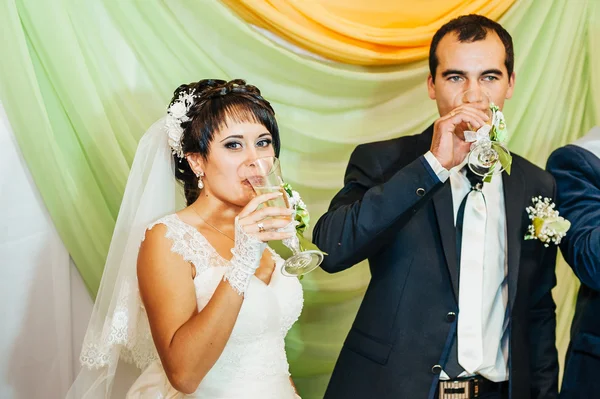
<point x="542" y="331"/>
<point x="368" y="210"/>
<point x="577" y="174"/>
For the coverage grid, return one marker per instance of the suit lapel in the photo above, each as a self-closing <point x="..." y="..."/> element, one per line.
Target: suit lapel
<point x="514" y="202"/>
<point x="444" y="210"/>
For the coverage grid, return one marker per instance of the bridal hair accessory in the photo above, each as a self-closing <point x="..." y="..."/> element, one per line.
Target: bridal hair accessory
<point x="176" y="115"/>
<point x="179" y="108"/>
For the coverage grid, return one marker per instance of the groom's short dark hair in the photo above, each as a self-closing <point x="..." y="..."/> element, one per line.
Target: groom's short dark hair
<point x="471" y="28"/>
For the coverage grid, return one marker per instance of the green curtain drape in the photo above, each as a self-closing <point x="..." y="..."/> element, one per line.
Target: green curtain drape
<point x="81" y="81"/>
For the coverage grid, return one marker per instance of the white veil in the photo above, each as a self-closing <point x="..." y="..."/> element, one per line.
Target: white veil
<point x="118" y="328"/>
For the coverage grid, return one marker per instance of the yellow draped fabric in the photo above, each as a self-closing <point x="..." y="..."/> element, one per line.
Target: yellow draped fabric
<point x="362" y="32"/>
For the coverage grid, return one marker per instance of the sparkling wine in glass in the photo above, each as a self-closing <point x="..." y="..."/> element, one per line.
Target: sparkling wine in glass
<point x="264" y="174"/>
<point x="279" y="202"/>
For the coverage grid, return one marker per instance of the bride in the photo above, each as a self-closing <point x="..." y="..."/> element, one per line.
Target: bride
<point x="204" y="311"/>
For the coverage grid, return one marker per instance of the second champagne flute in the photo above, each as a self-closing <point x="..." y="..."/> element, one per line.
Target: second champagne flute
<point x="485" y="156"/>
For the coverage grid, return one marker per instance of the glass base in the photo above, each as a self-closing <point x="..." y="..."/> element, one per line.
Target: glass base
<point x="484" y="160"/>
<point x="301" y="263"/>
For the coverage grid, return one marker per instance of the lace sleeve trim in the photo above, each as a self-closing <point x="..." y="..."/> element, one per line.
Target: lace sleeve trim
<point x="247" y="252"/>
<point x="189" y="244"/>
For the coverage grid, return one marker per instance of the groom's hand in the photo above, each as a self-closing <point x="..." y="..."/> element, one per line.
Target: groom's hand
<point x="448" y="144"/>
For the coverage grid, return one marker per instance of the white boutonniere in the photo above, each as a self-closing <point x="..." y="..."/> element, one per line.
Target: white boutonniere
<point x="546" y="225"/>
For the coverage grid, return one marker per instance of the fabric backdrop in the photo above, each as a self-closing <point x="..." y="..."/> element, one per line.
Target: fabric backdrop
<point x="362" y="32"/>
<point x="81" y="82"/>
<point x="43" y="302"/>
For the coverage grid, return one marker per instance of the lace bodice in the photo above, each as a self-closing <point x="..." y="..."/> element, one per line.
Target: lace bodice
<point x="253" y="363"/>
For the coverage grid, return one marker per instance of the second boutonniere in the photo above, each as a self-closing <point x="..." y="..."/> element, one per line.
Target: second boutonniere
<point x="546" y="224"/>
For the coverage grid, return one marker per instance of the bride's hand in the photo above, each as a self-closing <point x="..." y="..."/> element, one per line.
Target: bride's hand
<point x="267" y="223"/>
<point x="253" y="228"/>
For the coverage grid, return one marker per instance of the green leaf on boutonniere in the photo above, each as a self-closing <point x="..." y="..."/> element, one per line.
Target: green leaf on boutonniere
<point x="306" y="245"/>
<point x="288" y="189"/>
<point x="303" y="218"/>
<point x="285" y="252"/>
<point x="504" y="158"/>
<point x="499" y="134"/>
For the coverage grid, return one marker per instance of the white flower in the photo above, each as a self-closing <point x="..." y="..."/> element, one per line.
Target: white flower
<point x="296" y="201"/>
<point x="174" y="133"/>
<point x="296" y="196"/>
<point x="176" y="115"/>
<point x="178" y="110"/>
<point x="497" y="118"/>
<point x="546" y="225"/>
<point x="301" y="204"/>
<point x="482" y="134"/>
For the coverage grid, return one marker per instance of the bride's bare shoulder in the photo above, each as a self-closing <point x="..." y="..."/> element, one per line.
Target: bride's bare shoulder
<point x="156" y="253"/>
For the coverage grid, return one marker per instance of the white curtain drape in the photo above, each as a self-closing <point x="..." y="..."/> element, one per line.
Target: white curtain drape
<point x="44" y="306"/>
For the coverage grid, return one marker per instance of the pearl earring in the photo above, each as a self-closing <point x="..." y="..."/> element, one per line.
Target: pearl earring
<point x="200" y="182"/>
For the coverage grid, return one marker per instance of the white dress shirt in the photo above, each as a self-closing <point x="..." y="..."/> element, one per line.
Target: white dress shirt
<point x="591" y="141"/>
<point x="495" y="268"/>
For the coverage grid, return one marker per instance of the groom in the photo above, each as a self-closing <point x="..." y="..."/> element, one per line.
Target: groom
<point x="448" y="310"/>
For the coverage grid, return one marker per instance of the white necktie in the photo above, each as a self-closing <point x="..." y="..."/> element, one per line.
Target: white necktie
<point x="470" y="324"/>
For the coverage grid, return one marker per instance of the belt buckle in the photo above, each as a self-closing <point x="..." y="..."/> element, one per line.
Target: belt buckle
<point x="457" y="389"/>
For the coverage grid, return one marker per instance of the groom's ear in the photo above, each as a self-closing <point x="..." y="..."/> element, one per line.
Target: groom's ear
<point x="511" y="85"/>
<point x="430" y="87"/>
<point x="196" y="162"/>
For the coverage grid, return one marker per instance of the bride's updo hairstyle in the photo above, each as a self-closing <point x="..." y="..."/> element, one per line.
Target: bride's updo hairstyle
<point x="216" y="103"/>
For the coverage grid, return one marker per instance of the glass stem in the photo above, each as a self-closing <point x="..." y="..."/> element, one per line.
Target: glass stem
<point x="293" y="244"/>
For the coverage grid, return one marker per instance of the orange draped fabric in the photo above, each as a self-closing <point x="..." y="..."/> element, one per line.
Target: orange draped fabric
<point x="362" y="32"/>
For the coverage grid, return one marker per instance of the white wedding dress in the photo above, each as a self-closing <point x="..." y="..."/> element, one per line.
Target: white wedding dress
<point x="253" y="364"/>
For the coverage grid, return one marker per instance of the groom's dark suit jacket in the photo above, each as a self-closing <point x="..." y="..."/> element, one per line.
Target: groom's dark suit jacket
<point x="577" y="173"/>
<point x="394" y="211"/>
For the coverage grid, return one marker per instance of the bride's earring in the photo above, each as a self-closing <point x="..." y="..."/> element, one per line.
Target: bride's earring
<point x="200" y="182"/>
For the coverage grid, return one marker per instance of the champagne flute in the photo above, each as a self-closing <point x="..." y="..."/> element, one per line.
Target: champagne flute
<point x="484" y="157"/>
<point x="264" y="174"/>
